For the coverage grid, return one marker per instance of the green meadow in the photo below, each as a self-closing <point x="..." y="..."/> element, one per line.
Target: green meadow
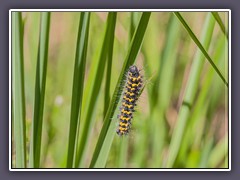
<point x="68" y="74"/>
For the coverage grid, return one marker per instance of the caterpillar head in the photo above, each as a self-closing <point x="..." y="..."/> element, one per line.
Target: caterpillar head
<point x="134" y="70"/>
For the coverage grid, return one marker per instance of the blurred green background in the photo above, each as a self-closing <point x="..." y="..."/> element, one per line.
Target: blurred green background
<point x="181" y="120"/>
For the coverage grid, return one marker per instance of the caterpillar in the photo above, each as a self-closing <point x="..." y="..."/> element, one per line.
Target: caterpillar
<point x="132" y="89"/>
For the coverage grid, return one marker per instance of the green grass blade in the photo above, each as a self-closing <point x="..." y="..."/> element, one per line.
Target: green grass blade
<point x="220" y="23"/>
<point x="123" y="152"/>
<point x="134" y="20"/>
<point x="108" y="74"/>
<point x="95" y="88"/>
<point x="219" y="152"/>
<point x="40" y="83"/>
<point x="203" y="97"/>
<point x="18" y="90"/>
<point x="168" y="63"/>
<point x="205" y="153"/>
<point x="200" y="46"/>
<point x="107" y="84"/>
<point x="190" y="93"/>
<point x="163" y="87"/>
<point x="108" y="130"/>
<point x="197" y="119"/>
<point x="78" y="83"/>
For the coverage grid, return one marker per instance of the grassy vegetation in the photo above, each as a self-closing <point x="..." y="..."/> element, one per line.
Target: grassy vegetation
<point x="18" y="91"/>
<point x="40" y="83"/>
<point x="78" y="82"/>
<point x="68" y="74"/>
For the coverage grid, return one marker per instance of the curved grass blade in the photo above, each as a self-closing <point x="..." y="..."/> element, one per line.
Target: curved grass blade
<point x="200" y="46"/>
<point x="18" y="90"/>
<point x="220" y="23"/>
<point x="78" y="83"/>
<point x="105" y="139"/>
<point x="95" y="89"/>
<point x="40" y="90"/>
<point x="190" y="93"/>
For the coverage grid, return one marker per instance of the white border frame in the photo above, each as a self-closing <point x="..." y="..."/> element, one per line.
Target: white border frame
<point x="123" y="10"/>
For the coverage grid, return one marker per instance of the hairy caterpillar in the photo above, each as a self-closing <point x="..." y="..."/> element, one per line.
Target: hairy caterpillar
<point x="130" y="96"/>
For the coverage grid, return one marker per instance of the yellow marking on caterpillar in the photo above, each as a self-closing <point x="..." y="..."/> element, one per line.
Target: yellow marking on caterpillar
<point x="133" y="85"/>
<point x="123" y="124"/>
<point x="126" y="112"/>
<point x="128" y="99"/>
<point x="132" y="89"/>
<point x="130" y="93"/>
<point x="129" y="106"/>
<point x="124" y="118"/>
<point x="122" y="129"/>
